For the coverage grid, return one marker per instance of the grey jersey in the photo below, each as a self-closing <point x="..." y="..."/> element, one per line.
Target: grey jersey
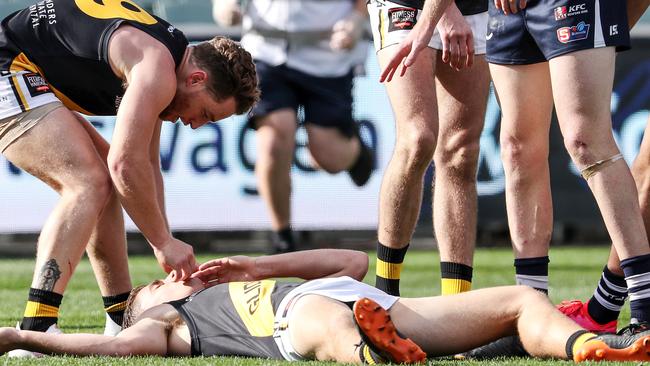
<point x="234" y="319"/>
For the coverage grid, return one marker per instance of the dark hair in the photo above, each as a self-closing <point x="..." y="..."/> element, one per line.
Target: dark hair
<point x="132" y="309"/>
<point x="231" y="71"/>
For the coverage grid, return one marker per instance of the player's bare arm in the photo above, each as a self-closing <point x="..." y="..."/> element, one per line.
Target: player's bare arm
<point x="418" y="39"/>
<point x="148" y="69"/>
<point x="307" y="265"/>
<point x="148" y="337"/>
<point x="457" y="38"/>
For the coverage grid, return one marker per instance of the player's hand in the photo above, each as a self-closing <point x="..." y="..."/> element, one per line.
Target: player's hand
<point x="457" y="39"/>
<point x="226" y="12"/>
<point x="408" y="50"/>
<point x="510" y="6"/>
<point x="347" y="32"/>
<point x="8" y="339"/>
<point x="176" y="258"/>
<point x="227" y="269"/>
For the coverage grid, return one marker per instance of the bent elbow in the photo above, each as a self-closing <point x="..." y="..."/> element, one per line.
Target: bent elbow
<point x="357" y="265"/>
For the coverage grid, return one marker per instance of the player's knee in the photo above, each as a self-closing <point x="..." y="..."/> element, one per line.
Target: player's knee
<point x="527" y="295"/>
<point x="457" y="158"/>
<point x="416" y="148"/>
<point x="94" y="187"/>
<point x="518" y="154"/>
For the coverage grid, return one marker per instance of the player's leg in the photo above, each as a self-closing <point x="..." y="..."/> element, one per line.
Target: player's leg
<point x="452" y="324"/>
<point x="333" y="337"/>
<point x="107" y="250"/>
<point x="525" y="124"/>
<point x="462" y="97"/>
<point x="334" y="141"/>
<point x="641" y="174"/>
<point x="275" y="145"/>
<point x="585" y="122"/>
<point x="274" y="118"/>
<point x="58" y="151"/>
<point x="413" y="99"/>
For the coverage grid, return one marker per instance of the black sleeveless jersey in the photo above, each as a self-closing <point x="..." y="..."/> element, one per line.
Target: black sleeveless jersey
<point x="66" y="41"/>
<point x="467" y="7"/>
<point x="234" y="319"/>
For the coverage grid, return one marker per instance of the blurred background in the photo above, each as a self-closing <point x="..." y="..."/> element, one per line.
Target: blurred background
<point x="211" y="193"/>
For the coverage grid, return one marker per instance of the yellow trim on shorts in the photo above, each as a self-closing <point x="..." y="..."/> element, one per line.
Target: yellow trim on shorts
<point x="19" y="91"/>
<point x="22" y="63"/>
<point x="388" y="270"/>
<point x="252" y="301"/>
<point x="36" y="309"/>
<point x="452" y="286"/>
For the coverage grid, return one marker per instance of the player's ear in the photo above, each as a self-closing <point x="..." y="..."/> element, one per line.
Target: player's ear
<point x="197" y="78"/>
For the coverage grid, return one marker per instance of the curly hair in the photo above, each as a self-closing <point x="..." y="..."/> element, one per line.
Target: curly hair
<point x="231" y="71"/>
<point x="132" y="308"/>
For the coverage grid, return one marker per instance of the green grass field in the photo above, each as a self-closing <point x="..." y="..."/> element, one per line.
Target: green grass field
<point x="574" y="272"/>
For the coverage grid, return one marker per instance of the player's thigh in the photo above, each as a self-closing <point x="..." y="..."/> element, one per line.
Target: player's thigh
<point x="462" y="99"/>
<point x="58" y="151"/>
<point x="413" y="95"/>
<point x="276" y="130"/>
<point x="447" y="324"/>
<point x="319" y="324"/>
<point x="582" y="90"/>
<point x="101" y="145"/>
<point x="526" y="101"/>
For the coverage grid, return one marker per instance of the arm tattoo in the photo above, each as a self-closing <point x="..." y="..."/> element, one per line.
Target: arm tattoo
<point x="50" y="273"/>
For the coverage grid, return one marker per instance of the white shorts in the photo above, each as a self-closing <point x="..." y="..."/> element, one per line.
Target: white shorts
<point x="391" y="23"/>
<point x="21" y="91"/>
<point x="344" y="289"/>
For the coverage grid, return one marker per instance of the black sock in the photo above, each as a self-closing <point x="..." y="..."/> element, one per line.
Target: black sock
<point x="576" y="340"/>
<point x="637" y="276"/>
<point x="532" y="272"/>
<point x="609" y="297"/>
<point x="389" y="267"/>
<point x="115" y="305"/>
<point x="42" y="310"/>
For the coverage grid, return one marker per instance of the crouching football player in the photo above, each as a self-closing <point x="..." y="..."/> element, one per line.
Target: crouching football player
<point x="335" y="319"/>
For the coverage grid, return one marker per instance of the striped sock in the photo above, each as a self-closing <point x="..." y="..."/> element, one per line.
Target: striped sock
<point x="608" y="299"/>
<point x="368" y="356"/>
<point x="389" y="266"/>
<point x="42" y="310"/>
<point x="637" y="276"/>
<point x="576" y="340"/>
<point x="115" y="305"/>
<point x="455" y="278"/>
<point x="532" y="272"/>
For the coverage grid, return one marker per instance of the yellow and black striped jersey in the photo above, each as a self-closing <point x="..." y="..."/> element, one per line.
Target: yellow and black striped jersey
<point x="66" y="41"/>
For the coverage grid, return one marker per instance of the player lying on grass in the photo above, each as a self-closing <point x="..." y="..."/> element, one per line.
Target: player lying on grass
<point x="313" y="320"/>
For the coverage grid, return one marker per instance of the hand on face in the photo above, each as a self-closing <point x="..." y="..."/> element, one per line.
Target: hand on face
<point x="176" y="258"/>
<point x="228" y="269"/>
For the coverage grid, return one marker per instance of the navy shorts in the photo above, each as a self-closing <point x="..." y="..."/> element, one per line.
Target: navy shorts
<point x="551" y="28"/>
<point x="327" y="101"/>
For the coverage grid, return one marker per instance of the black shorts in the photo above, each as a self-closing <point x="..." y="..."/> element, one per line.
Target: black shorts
<point x="551" y="28"/>
<point x="327" y="101"/>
